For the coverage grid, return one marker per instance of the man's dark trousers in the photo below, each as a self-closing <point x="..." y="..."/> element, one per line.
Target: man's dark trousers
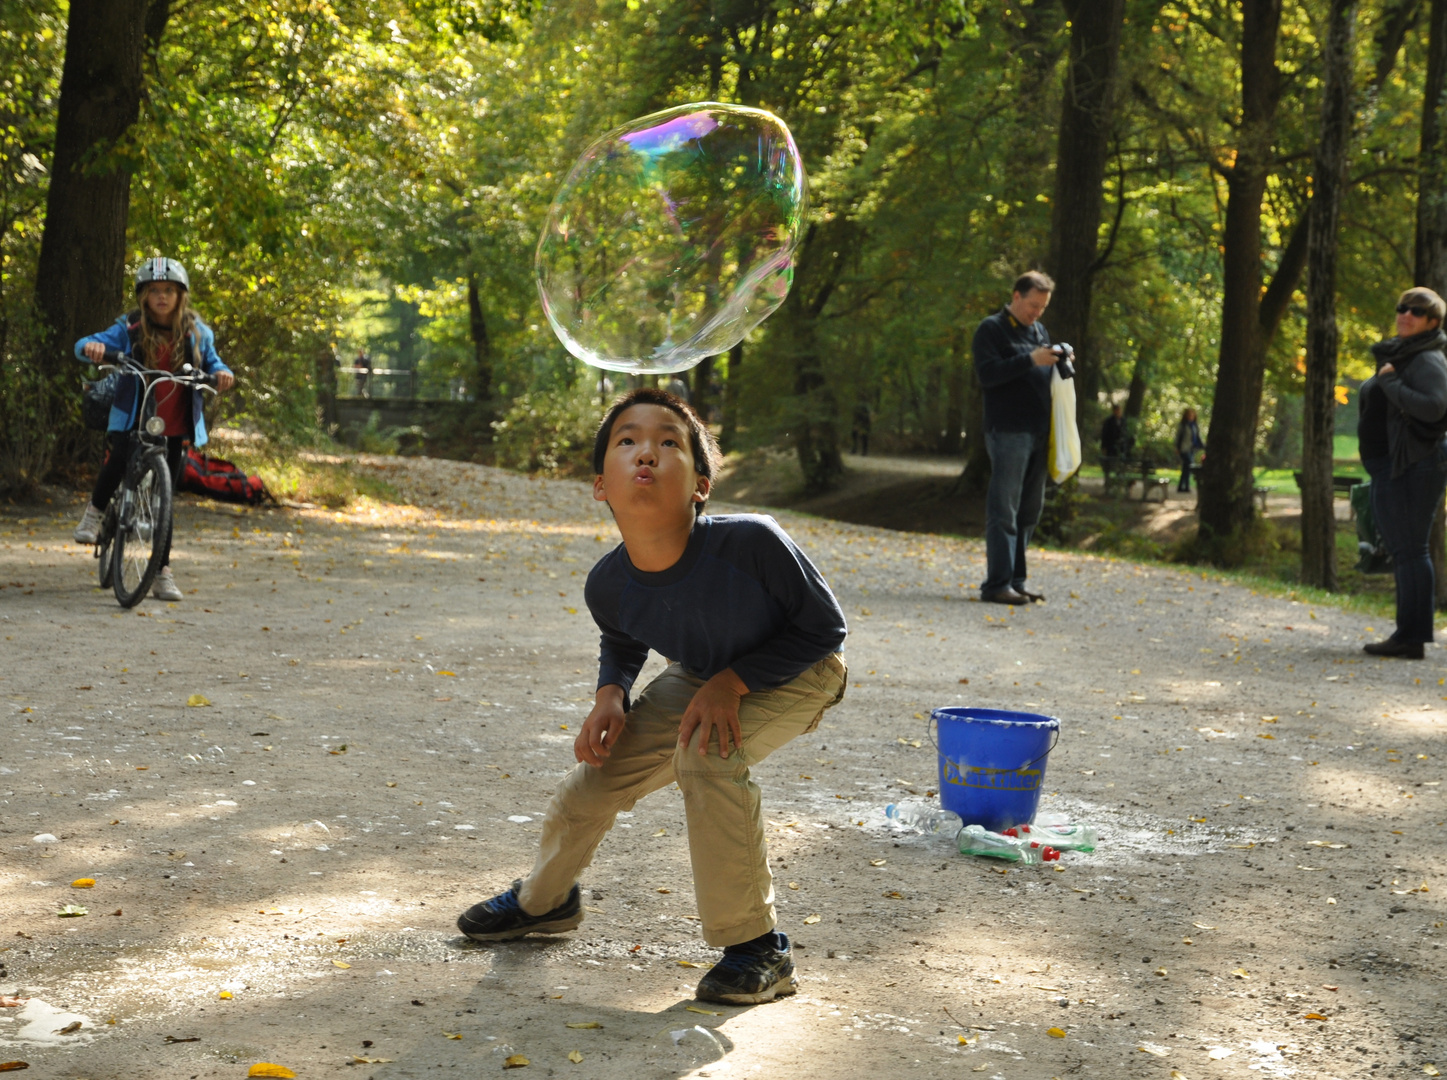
<point x="1018" y="461"/>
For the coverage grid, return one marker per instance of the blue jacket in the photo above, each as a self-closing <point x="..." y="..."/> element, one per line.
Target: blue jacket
<point x="127" y="404"/>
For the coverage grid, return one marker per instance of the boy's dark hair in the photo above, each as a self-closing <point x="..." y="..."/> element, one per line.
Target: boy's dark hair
<point x="706" y="457"/>
<point x="1034" y="281"/>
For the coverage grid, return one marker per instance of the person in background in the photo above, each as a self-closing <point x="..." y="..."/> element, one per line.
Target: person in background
<point x="1403" y="419"/>
<point x="859" y="431"/>
<point x="364" y="372"/>
<point x="1112" y="435"/>
<point x="1013" y="361"/>
<point x="1188" y="441"/>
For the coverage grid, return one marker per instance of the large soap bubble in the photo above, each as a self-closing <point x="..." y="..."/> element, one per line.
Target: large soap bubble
<point x="672" y="237"/>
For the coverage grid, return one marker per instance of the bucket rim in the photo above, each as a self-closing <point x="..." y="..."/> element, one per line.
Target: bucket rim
<point x="1000" y="717"/>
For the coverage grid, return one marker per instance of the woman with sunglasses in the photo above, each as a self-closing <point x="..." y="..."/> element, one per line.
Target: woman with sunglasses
<point x="1403" y="410"/>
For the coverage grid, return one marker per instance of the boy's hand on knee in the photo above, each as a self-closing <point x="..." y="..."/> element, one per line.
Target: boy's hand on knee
<point x="715" y="706"/>
<point x="602" y="728"/>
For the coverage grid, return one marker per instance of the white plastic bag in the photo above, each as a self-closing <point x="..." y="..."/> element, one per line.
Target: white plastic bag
<point x="1064" y="434"/>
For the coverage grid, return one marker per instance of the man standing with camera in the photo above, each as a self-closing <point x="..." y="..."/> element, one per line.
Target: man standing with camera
<point x="1013" y="360"/>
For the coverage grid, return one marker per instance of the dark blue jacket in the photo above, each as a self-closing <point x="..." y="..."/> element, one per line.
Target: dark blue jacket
<point x="742" y="596"/>
<point x="1017" y="390"/>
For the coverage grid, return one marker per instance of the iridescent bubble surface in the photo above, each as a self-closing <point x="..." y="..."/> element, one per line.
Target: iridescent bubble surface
<point x="672" y="237"/>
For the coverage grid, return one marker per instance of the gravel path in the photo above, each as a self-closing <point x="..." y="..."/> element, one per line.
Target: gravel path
<point x="384" y="699"/>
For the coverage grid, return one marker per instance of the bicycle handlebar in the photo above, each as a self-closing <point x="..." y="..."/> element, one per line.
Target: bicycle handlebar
<point x="115" y="360"/>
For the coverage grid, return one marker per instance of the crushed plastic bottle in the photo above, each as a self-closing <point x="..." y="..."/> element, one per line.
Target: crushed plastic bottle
<point x="923" y="818"/>
<point x="977" y="840"/>
<point x="1061" y="837"/>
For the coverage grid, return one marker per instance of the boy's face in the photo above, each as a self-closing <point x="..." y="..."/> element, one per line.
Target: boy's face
<point x="648" y="474"/>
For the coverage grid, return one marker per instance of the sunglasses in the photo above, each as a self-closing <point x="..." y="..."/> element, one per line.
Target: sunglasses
<point x="1420" y="312"/>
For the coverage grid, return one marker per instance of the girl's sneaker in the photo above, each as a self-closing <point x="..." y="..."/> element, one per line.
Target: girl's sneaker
<point x="89" y="527"/>
<point x="750" y="973"/>
<point x="502" y="918"/>
<point x="164" y="587"/>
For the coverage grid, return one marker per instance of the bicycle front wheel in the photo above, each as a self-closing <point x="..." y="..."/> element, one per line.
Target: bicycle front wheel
<point x="145" y="520"/>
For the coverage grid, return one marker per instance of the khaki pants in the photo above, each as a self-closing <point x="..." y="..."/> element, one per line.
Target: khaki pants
<point x="731" y="879"/>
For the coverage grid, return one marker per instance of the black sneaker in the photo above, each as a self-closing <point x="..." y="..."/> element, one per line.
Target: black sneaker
<point x="754" y="972"/>
<point x="502" y="918"/>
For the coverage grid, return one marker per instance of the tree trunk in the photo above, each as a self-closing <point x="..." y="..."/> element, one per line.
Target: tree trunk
<point x="955" y="400"/>
<point x="702" y="374"/>
<point x="1432" y="216"/>
<point x="729" y="430"/>
<point x="1135" y="398"/>
<point x="79" y="280"/>
<point x="1085" y="128"/>
<point x="974" y="479"/>
<point x="481" y="344"/>
<point x="1318" y="512"/>
<point x="1226" y="482"/>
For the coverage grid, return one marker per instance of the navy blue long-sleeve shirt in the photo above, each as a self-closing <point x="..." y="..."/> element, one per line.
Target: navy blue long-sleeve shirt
<point x="1017" y="391"/>
<point x="742" y="596"/>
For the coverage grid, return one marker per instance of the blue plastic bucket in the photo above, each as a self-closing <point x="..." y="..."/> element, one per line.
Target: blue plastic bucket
<point x="992" y="763"/>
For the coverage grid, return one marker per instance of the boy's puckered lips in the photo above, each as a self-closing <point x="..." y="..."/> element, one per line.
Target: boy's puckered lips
<point x="644" y="475"/>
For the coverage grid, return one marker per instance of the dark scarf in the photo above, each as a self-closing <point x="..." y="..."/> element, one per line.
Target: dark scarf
<point x="1398" y="350"/>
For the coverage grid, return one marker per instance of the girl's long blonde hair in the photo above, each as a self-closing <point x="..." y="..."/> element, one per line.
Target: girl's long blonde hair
<point x="153" y="336"/>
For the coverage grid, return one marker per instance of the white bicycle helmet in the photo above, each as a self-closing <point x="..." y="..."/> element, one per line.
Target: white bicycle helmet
<point x="161" y="269"/>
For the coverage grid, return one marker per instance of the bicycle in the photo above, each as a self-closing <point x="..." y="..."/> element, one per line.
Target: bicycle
<point x="131" y="541"/>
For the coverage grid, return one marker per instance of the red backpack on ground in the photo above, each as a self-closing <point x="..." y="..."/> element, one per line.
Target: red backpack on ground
<point x="220" y="479"/>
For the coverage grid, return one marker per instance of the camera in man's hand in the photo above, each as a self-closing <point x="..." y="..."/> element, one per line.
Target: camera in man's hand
<point x="1066" y="364"/>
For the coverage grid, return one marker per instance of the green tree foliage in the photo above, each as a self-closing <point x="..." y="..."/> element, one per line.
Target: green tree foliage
<point x="298" y="155"/>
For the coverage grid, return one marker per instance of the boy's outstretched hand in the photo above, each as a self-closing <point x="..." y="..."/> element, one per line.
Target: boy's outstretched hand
<point x="715" y="706"/>
<point x="602" y="728"/>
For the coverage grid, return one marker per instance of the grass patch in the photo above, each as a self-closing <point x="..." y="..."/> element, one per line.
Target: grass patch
<point x="302" y="476"/>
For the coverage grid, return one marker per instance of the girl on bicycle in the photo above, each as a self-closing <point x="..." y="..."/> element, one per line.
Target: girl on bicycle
<point x="162" y="334"/>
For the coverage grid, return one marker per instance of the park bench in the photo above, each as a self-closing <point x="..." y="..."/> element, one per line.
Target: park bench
<point x="1122" y="474"/>
<point x="1340" y="485"/>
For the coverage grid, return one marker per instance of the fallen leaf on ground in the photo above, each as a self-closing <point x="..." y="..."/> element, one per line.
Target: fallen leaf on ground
<point x="225" y="995"/>
<point x="1049" y="989"/>
<point x="586" y="1024"/>
<point x="1056" y="1033"/>
<point x="794" y="885"/>
<point x="340" y="964"/>
<point x="11" y="1002"/>
<point x="1241" y="973"/>
<point x="575" y="1057"/>
<point x="516" y="1061"/>
<point x="1202" y="926"/>
<point x="665" y="891"/>
<point x="1176" y="1074"/>
<point x="690" y="963"/>
<point x="705" y="1012"/>
<point x="1431" y="1070"/>
<point x="1158" y="1051"/>
<point x="12" y="1066"/>
<point x="371" y="1061"/>
<point x="811" y="920"/>
<point x="1162" y="972"/>
<point x="661" y="832"/>
<point x="1326" y="844"/>
<point x="266" y="1068"/>
<point x="1315" y="1016"/>
<point x="876" y="862"/>
<point x="185" y="1038"/>
<point x="83" y="883"/>
<point x="197" y="701"/>
<point x="453" y="1034"/>
<point x="69" y="1029"/>
<point x="72" y="911"/>
<point x="889" y="896"/>
<point x="1333" y="989"/>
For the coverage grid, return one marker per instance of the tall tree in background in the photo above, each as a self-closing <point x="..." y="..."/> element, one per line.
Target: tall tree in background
<point x="1318" y="515"/>
<point x="1226" y="480"/>
<point x="1431" y="247"/>
<point x="82" y="253"/>
<point x="1086" y="114"/>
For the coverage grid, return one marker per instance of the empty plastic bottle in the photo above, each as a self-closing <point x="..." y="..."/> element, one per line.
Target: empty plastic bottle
<point x="924" y="818"/>
<point x="1061" y="837"/>
<point x="977" y="840"/>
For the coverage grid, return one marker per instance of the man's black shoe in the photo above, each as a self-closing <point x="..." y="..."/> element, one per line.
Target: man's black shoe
<point x="502" y="918"/>
<point x="750" y="973"/>
<point x="1004" y="596"/>
<point x="1404" y="650"/>
<point x="1033" y="597"/>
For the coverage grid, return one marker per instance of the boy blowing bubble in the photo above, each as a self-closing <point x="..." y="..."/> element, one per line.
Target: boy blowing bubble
<point x="753" y="633"/>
